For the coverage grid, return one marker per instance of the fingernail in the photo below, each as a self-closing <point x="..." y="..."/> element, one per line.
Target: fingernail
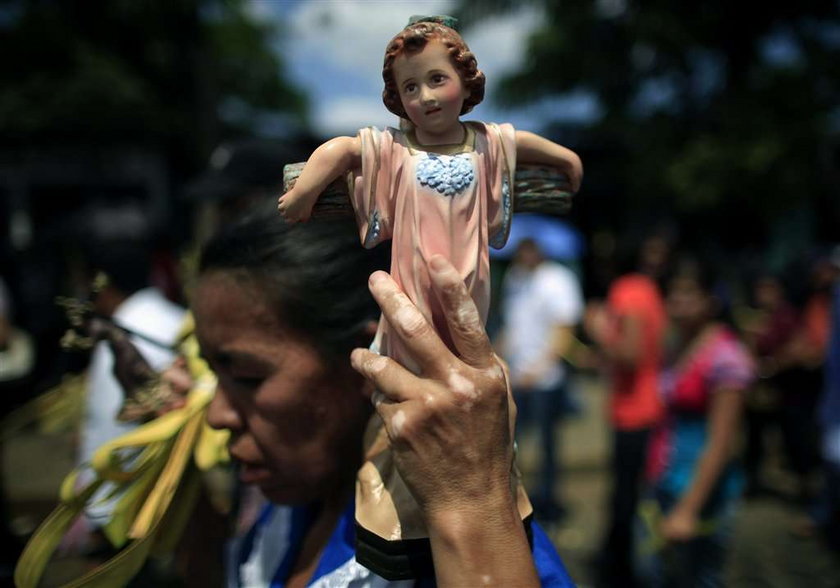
<point x="437" y="263"/>
<point x="376" y="277"/>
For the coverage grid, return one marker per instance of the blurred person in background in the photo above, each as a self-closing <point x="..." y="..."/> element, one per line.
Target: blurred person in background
<point x="117" y="247"/>
<point x="768" y="329"/>
<point x="806" y="357"/>
<point x="541" y="306"/>
<point x="17" y="356"/>
<point x="17" y="364"/>
<point x="627" y="333"/>
<point x="693" y="473"/>
<point x="239" y="176"/>
<point x="790" y="342"/>
<point x="828" y="512"/>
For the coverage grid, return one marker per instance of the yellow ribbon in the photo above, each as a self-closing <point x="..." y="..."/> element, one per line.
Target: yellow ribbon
<point x="153" y="479"/>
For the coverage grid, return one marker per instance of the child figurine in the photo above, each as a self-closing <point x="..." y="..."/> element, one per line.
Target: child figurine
<point x="440" y="186"/>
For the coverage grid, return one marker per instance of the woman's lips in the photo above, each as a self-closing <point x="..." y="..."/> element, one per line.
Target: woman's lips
<point x="432" y="111"/>
<point x="252" y="473"/>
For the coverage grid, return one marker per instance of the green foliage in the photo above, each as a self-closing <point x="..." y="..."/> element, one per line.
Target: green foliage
<point x="246" y="67"/>
<point x="142" y="72"/>
<point x="708" y="108"/>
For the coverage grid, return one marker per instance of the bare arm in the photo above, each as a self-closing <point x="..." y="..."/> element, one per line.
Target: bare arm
<point x="625" y="350"/>
<point x="562" y="337"/>
<point x="483" y="546"/>
<point x="531" y="148"/>
<point x="724" y="414"/>
<point x="326" y="163"/>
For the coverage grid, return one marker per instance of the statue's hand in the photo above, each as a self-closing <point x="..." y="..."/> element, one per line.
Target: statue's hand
<point x="294" y="207"/>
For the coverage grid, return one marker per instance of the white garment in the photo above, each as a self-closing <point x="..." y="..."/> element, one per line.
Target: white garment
<point x="271" y="544"/>
<point x="831" y="445"/>
<point x="534" y="304"/>
<point x="146" y="312"/>
<point x="255" y="559"/>
<point x="18" y="359"/>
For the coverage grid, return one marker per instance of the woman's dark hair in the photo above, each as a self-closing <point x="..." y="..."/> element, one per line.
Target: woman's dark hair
<point x="314" y="274"/>
<point x="702" y="270"/>
<point x="126" y="262"/>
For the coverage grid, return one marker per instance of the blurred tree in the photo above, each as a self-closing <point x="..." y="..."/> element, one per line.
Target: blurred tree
<point x="724" y="114"/>
<point x="180" y="76"/>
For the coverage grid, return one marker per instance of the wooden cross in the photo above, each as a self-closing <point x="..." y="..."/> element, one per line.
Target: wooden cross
<point x="535" y="189"/>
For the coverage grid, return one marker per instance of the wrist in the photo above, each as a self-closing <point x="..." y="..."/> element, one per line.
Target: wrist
<point x="471" y="520"/>
<point x="481" y="543"/>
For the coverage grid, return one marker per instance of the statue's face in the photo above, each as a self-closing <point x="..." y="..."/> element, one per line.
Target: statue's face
<point x="432" y="92"/>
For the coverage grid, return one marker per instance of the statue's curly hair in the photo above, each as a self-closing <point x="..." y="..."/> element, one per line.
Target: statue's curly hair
<point x="412" y="39"/>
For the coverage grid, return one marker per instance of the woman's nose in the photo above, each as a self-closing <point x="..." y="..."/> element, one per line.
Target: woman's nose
<point x="221" y="414"/>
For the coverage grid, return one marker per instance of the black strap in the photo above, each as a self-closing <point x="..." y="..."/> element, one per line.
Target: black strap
<point x="406" y="558"/>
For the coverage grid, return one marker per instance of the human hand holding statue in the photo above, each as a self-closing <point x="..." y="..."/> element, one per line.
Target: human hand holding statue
<point x="450" y="429"/>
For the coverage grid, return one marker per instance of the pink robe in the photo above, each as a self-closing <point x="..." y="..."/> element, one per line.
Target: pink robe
<point x="455" y="201"/>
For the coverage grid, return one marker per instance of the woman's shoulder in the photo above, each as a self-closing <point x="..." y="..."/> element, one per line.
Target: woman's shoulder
<point x="726" y="341"/>
<point x="730" y="361"/>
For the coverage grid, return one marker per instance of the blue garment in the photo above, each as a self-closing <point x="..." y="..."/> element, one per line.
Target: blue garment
<point x="828" y="509"/>
<point x="264" y="556"/>
<point x="830" y="406"/>
<point x="688" y="442"/>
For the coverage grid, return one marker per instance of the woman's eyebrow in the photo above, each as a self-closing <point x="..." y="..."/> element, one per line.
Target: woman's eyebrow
<point x="230" y="356"/>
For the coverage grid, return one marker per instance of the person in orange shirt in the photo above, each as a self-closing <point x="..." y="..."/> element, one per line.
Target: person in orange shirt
<point x="628" y="332"/>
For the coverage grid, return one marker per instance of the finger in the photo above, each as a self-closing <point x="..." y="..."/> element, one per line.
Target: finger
<point x="394" y="417"/>
<point x="417" y="334"/>
<point x="377" y="398"/>
<point x="465" y="326"/>
<point x="394" y="382"/>
<point x="178" y="379"/>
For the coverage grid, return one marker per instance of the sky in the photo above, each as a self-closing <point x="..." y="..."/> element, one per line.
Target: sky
<point x="333" y="50"/>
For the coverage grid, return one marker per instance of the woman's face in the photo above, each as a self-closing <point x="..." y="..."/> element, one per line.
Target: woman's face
<point x="296" y="423"/>
<point x="768" y="293"/>
<point x="688" y="304"/>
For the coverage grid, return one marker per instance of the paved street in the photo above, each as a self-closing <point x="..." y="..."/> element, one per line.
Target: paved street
<point x="769" y="548"/>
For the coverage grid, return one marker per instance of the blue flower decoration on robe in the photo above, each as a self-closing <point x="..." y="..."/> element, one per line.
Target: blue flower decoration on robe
<point x="449" y="175"/>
